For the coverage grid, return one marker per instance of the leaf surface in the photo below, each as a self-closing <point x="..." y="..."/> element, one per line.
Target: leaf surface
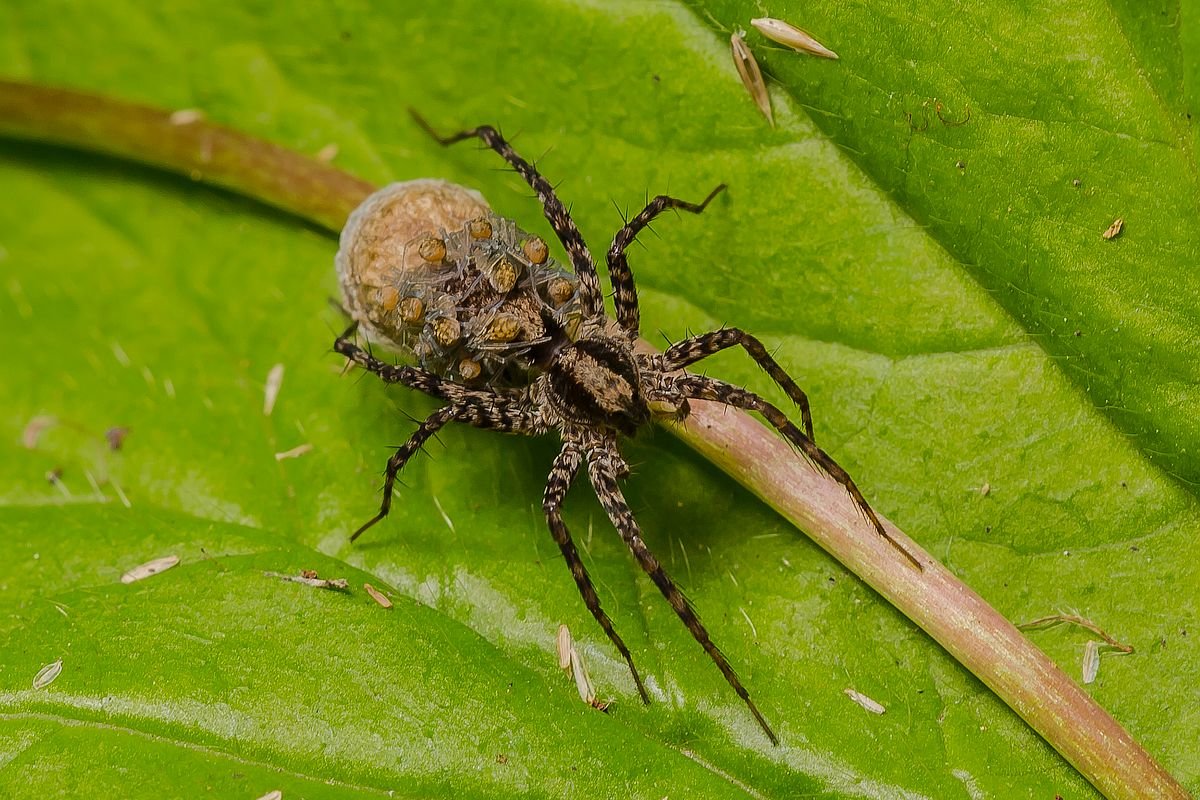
<point x="956" y="327"/>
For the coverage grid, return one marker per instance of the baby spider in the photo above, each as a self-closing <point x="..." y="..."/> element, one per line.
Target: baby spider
<point x="593" y="387"/>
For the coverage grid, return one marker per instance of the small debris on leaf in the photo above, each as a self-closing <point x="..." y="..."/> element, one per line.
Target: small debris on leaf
<point x="1115" y="229"/>
<point x="327" y="153"/>
<point x="154" y="567"/>
<point x="571" y="661"/>
<point x="1074" y="619"/>
<point x="271" y="389"/>
<point x="309" y="577"/>
<point x="295" y="452"/>
<point x="940" y="110"/>
<point x="1091" y="660"/>
<point x="186" y="116"/>
<point x="870" y="705"/>
<point x="565" y="646"/>
<point x="789" y="35"/>
<point x="583" y="681"/>
<point x="377" y="596"/>
<point x="120" y="492"/>
<point x="445" y="517"/>
<point x="115" y="436"/>
<point x="751" y="75"/>
<point x="924" y="126"/>
<point x="47" y="674"/>
<point x="274" y="794"/>
<point x="34" y="428"/>
<point x="750" y="622"/>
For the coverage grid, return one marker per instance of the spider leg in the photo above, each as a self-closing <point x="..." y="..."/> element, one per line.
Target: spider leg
<point x="556" y="213"/>
<point x="412" y="377"/>
<point x="428" y="428"/>
<point x="482" y="409"/>
<point x="603" y="468"/>
<point x="508" y="411"/>
<point x="497" y="409"/>
<point x="624" y="291"/>
<point x="694" y="348"/>
<point x="562" y="474"/>
<point x="703" y="388"/>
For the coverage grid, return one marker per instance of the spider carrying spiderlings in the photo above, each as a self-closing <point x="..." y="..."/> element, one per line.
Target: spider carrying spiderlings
<point x="588" y="383"/>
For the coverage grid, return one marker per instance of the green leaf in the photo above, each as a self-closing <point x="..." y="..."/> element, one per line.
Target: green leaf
<point x="930" y="310"/>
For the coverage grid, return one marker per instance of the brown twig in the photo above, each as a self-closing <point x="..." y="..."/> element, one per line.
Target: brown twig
<point x="956" y="617"/>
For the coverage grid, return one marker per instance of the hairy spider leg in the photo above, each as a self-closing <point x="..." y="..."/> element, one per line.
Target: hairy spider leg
<point x="625" y="297"/>
<point x="703" y="388"/>
<point x="428" y="428"/>
<point x="590" y="298"/>
<point x="562" y="474"/>
<point x="603" y="467"/>
<point x="689" y="351"/>
<point x="494" y="409"/>
<point x="497" y="410"/>
<point x="413" y="377"/>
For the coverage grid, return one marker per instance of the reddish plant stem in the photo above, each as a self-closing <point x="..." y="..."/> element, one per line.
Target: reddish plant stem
<point x="949" y="611"/>
<point x="184" y="143"/>
<point x="960" y="620"/>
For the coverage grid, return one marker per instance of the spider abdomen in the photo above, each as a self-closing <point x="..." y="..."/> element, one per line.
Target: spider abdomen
<point x="595" y="381"/>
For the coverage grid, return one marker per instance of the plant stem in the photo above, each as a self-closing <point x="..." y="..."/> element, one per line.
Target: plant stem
<point x="956" y="617"/>
<point x="182" y="142"/>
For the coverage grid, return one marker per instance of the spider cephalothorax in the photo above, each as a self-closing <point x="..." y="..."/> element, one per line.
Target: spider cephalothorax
<point x="591" y="387"/>
<point x="595" y="382"/>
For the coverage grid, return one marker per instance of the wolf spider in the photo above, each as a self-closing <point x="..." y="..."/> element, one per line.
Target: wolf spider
<point x="594" y="388"/>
